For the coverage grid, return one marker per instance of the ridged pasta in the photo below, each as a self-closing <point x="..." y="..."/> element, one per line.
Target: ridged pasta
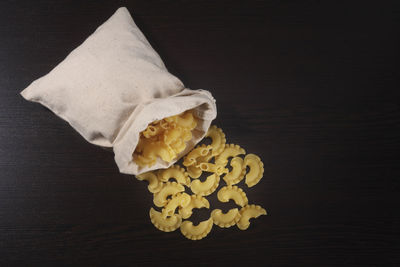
<point x="207" y="187"/>
<point x="196" y="232"/>
<point x="225" y="220"/>
<point x="178" y="200"/>
<point x="248" y="212"/>
<point x="155" y="184"/>
<point x="237" y="173"/>
<point x="168" y="189"/>
<point x="218" y="139"/>
<point x="174" y="172"/>
<point x="256" y="169"/>
<point x="196" y="202"/>
<point x="232" y="192"/>
<point x="231" y="150"/>
<point x="165" y="224"/>
<point x="191" y="157"/>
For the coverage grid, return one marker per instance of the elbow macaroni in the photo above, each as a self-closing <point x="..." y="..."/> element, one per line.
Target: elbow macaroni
<point x="165" y="139"/>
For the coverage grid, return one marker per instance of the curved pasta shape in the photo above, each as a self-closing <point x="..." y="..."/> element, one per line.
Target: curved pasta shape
<point x="165" y="224"/>
<point x="199" y="151"/>
<point x="186" y="120"/>
<point x="207" y="187"/>
<point x="179" y="200"/>
<point x="171" y="135"/>
<point x="237" y="173"/>
<point x="152" y="130"/>
<point x="194" y="172"/>
<point x="248" y="212"/>
<point x="231" y="150"/>
<point x="256" y="169"/>
<point x="232" y="192"/>
<point x="154" y="149"/>
<point x="196" y="232"/>
<point x="196" y="202"/>
<point x="225" y="220"/>
<point x="218" y="139"/>
<point x="178" y="146"/>
<point x="175" y="172"/>
<point x="210" y="167"/>
<point x="168" y="189"/>
<point x="154" y="184"/>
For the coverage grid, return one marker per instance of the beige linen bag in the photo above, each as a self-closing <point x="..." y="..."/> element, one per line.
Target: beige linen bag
<point x="113" y="85"/>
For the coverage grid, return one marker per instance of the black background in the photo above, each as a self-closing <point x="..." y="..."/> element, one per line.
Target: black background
<point x="309" y="86"/>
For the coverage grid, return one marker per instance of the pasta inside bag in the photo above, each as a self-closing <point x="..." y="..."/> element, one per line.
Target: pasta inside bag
<point x="112" y="86"/>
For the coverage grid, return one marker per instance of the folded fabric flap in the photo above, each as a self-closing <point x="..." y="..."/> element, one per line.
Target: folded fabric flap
<point x="201" y="101"/>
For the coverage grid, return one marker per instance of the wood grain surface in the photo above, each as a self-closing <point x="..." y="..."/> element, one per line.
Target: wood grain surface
<point x="309" y="86"/>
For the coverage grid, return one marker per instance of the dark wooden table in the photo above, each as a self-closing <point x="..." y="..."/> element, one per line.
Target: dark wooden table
<point x="310" y="86"/>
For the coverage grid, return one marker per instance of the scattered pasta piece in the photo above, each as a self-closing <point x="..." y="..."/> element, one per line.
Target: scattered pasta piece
<point x="192" y="156"/>
<point x="225" y="220"/>
<point x="165" y="224"/>
<point x="248" y="212"/>
<point x="196" y="232"/>
<point x="218" y="139"/>
<point x="237" y="173"/>
<point x="210" y="167"/>
<point x="207" y="187"/>
<point x="179" y="200"/>
<point x="168" y="189"/>
<point x="154" y="184"/>
<point x="197" y="202"/>
<point x="231" y="150"/>
<point x="175" y="172"/>
<point x="167" y="138"/>
<point x="233" y="192"/>
<point x="256" y="169"/>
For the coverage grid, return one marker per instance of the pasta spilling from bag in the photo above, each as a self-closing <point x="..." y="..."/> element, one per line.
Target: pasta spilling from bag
<point x="174" y="199"/>
<point x="165" y="139"/>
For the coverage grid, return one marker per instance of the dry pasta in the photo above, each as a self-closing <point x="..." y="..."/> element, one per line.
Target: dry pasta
<point x="248" y="212"/>
<point x="232" y="192"/>
<point x="225" y="220"/>
<point x="168" y="189"/>
<point x="165" y="224"/>
<point x="197" y="202"/>
<point x="167" y="138"/>
<point x="237" y="173"/>
<point x="196" y="232"/>
<point x="207" y="187"/>
<point x="256" y="169"/>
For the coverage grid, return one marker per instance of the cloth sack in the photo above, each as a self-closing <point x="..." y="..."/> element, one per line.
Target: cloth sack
<point x="113" y="85"/>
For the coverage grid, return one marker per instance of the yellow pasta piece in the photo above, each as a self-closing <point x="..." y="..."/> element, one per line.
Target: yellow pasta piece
<point x="186" y="120"/>
<point x="172" y="135"/>
<point x="256" y="169"/>
<point x="232" y="192"/>
<point x="210" y="167"/>
<point x="199" y="151"/>
<point x="194" y="171"/>
<point x="225" y="220"/>
<point x="154" y="184"/>
<point x="154" y="149"/>
<point x="178" y="146"/>
<point x="165" y="224"/>
<point x="168" y="189"/>
<point x="152" y="130"/>
<point x="196" y="202"/>
<point x="230" y="150"/>
<point x="207" y="187"/>
<point x="237" y="173"/>
<point x="179" y="200"/>
<point x="248" y="212"/>
<point x="196" y="232"/>
<point x="175" y="172"/>
<point x="218" y="139"/>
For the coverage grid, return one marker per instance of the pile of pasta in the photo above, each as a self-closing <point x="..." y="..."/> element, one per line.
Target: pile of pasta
<point x="164" y="138"/>
<point x="176" y="206"/>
